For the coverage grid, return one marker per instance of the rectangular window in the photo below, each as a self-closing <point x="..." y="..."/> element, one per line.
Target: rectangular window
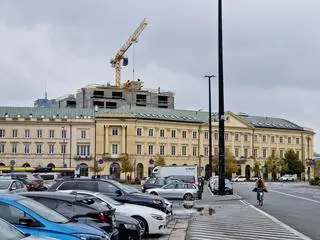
<point x="14" y="133"/>
<point x="114" y="131"/>
<point x="51" y="133"/>
<point x="255" y="153"/>
<point x="2" y="148"/>
<point x="246" y="152"/>
<point x="289" y="140"/>
<point x="151" y="132"/>
<point x="184" y="151"/>
<point x="281" y="139"/>
<point x="83" y="150"/>
<point x="161" y="132"/>
<point x="281" y="153"/>
<point x="194" y="151"/>
<point x="216" y="152"/>
<point x="272" y="139"/>
<point x="236" y="137"/>
<point x="215" y="136"/>
<point x="114" y="149"/>
<point x="245" y="137"/>
<point x="226" y="136"/>
<point x="63" y="148"/>
<point x="194" y="135"/>
<point x="150" y="149"/>
<point x="206" y="151"/>
<point x="236" y="152"/>
<point x="27" y="133"/>
<point x="14" y="147"/>
<point x="27" y="148"/>
<point x="2" y="133"/>
<point x="273" y="153"/>
<point x="39" y="148"/>
<point x="63" y="133"/>
<point x="83" y="134"/>
<point x="255" y="138"/>
<point x="264" y="153"/>
<point x="264" y="138"/>
<point x="173" y="150"/>
<point x="139" y="149"/>
<point x="139" y="132"/>
<point x="161" y="150"/>
<point x="173" y="133"/>
<point x="39" y="133"/>
<point x="206" y="135"/>
<point x="298" y="154"/>
<point x="297" y="140"/>
<point x="51" y="148"/>
<point x="184" y="134"/>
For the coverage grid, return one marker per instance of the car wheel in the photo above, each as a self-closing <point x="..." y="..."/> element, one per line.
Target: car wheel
<point x="154" y="193"/>
<point x="188" y="197"/>
<point x="144" y="228"/>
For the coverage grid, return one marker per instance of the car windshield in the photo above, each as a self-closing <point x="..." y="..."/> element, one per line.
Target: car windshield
<point x="9" y="232"/>
<point x="4" y="184"/>
<point x="125" y="188"/>
<point x="43" y="211"/>
<point x="108" y="200"/>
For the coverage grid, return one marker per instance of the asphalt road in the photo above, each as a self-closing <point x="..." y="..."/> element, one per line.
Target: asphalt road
<point x="295" y="204"/>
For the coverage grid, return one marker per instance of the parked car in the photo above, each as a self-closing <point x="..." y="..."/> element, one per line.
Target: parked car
<point x="11" y="186"/>
<point x="155" y="183"/>
<point x="49" y="178"/>
<point x="78" y="208"/>
<point x="239" y="179"/>
<point x="176" y="190"/>
<point x="152" y="221"/>
<point x="287" y="178"/>
<point x="113" y="189"/>
<point x="34" y="218"/>
<point x="10" y="232"/>
<point x="253" y="179"/>
<point x="37" y="184"/>
<point x="228" y="187"/>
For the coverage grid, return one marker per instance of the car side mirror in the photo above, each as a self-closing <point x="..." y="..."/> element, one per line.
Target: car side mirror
<point x="26" y="221"/>
<point x="118" y="193"/>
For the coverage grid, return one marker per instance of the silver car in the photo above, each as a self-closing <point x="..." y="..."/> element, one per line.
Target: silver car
<point x="9" y="231"/>
<point x="11" y="186"/>
<point x="176" y="190"/>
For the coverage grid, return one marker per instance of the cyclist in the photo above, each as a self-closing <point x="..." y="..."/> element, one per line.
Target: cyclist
<point x="259" y="185"/>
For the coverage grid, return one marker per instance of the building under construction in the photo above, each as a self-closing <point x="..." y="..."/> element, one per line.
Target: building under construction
<point x="108" y="96"/>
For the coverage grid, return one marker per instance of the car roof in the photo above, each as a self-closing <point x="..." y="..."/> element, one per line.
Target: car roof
<point x="56" y="195"/>
<point x="7" y="180"/>
<point x="11" y="197"/>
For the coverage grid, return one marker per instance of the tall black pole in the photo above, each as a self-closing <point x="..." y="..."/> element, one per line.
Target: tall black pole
<point x="221" y="105"/>
<point x="210" y="126"/>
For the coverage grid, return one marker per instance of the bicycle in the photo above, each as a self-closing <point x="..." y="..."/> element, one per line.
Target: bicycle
<point x="260" y="196"/>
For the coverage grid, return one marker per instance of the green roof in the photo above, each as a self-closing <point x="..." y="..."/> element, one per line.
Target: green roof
<point x="148" y="113"/>
<point x="36" y="112"/>
<point x="269" y="122"/>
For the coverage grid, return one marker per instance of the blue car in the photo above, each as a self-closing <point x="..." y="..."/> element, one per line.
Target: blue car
<point x="34" y="218"/>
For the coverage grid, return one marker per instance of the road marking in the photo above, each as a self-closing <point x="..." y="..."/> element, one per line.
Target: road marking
<point x="290" y="195"/>
<point x="243" y="202"/>
<point x="301" y="235"/>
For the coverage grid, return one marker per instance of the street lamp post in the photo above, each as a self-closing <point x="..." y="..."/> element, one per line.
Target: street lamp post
<point x="221" y="104"/>
<point x="210" y="126"/>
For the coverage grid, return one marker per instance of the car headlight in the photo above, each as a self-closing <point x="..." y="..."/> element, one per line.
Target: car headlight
<point x="157" y="202"/>
<point x="158" y="217"/>
<point x="84" y="236"/>
<point x="130" y="226"/>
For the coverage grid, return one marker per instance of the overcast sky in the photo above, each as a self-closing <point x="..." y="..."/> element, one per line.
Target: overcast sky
<point x="271" y="51"/>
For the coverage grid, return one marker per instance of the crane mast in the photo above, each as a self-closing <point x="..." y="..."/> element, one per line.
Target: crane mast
<point x="116" y="61"/>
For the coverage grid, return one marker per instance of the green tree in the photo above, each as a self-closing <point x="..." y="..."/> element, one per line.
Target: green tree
<point x="256" y="168"/>
<point x="96" y="169"/>
<point x="160" y="161"/>
<point x="231" y="164"/>
<point x="295" y="166"/>
<point x="126" y="165"/>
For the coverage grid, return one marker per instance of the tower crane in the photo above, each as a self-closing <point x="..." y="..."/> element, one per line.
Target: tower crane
<point x="116" y="61"/>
